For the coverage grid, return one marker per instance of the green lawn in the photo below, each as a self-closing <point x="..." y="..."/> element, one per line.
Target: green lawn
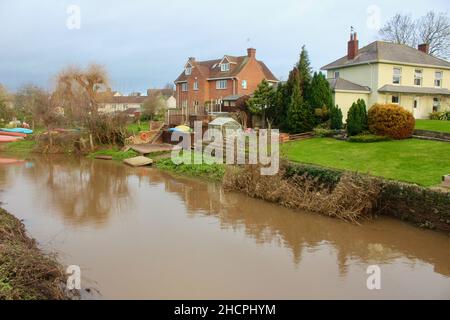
<point x="136" y="128"/>
<point x="433" y="125"/>
<point x="418" y="161"/>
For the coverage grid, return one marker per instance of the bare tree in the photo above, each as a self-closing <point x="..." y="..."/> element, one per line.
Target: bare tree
<point x="400" y="29"/>
<point x="75" y="84"/>
<point x="432" y="29"/>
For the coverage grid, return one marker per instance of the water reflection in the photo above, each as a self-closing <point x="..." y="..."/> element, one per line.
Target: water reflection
<point x="87" y="193"/>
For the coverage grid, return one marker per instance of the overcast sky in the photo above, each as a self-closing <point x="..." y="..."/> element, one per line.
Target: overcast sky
<point x="145" y="44"/>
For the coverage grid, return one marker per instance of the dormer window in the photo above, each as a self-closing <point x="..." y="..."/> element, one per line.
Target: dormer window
<point x="225" y="67"/>
<point x="188" y="71"/>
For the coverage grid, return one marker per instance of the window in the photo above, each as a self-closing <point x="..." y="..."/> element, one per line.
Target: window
<point x="336" y="74"/>
<point x="188" y="71"/>
<point x="221" y="84"/>
<point x="397" y="78"/>
<point x="224" y="67"/>
<point x="184" y="86"/>
<point x="436" y="104"/>
<point x="196" y="85"/>
<point x="418" y="77"/>
<point x="438" y="79"/>
<point x="416" y="103"/>
<point x="184" y="104"/>
<point x="244" y="84"/>
<point x="396" y="99"/>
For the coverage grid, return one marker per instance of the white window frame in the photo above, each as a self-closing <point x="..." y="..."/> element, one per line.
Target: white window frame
<point x="196" y="86"/>
<point x="398" y="98"/>
<point x="224" y="67"/>
<point x="188" y="71"/>
<point x="244" y="84"/>
<point x="184" y="104"/>
<point x="399" y="75"/>
<point x="221" y="84"/>
<point x="184" y="86"/>
<point x="418" y="71"/>
<point x="436" y="79"/>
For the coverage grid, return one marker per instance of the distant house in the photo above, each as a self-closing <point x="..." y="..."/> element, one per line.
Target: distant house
<point x="384" y="72"/>
<point x="209" y="83"/>
<point x="113" y="104"/>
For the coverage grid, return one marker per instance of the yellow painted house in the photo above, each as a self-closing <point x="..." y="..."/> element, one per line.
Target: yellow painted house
<point x="384" y="72"/>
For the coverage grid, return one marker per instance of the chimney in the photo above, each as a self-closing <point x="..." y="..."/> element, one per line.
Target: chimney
<point x="424" y="47"/>
<point x="251" y="52"/>
<point x="192" y="59"/>
<point x="353" y="46"/>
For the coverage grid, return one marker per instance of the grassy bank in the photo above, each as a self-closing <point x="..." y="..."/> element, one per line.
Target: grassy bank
<point x="208" y="171"/>
<point x="116" y="154"/>
<point x="20" y="148"/>
<point x="417" y="161"/>
<point x="26" y="273"/>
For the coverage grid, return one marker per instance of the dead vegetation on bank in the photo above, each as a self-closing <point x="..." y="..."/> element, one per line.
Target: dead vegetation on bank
<point x="26" y="273"/>
<point x="352" y="199"/>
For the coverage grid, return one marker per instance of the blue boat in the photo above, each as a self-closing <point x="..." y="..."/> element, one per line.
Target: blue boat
<point x="18" y="130"/>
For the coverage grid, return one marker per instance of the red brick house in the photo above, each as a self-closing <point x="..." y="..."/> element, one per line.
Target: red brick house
<point x="204" y="85"/>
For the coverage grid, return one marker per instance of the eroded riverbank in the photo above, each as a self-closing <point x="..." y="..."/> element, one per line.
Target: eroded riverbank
<point x="143" y="233"/>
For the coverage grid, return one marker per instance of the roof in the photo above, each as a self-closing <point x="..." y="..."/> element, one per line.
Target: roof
<point x="222" y="121"/>
<point x="381" y="51"/>
<point x="124" y="99"/>
<point x="414" y="90"/>
<point x="233" y="97"/>
<point x="211" y="68"/>
<point x="345" y="85"/>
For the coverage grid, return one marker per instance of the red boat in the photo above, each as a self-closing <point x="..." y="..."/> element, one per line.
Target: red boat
<point x="9" y="138"/>
<point x="13" y="134"/>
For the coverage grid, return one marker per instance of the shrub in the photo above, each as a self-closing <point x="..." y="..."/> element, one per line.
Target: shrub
<point x="367" y="138"/>
<point x="321" y="132"/>
<point x="335" y="118"/>
<point x="443" y="115"/>
<point x="357" y="118"/>
<point x="391" y="120"/>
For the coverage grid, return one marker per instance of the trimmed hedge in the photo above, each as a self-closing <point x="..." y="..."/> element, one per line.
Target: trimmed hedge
<point x="367" y="138"/>
<point x="391" y="120"/>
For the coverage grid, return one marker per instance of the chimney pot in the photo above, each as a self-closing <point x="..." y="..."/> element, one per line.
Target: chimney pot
<point x="424" y="47"/>
<point x="251" y="52"/>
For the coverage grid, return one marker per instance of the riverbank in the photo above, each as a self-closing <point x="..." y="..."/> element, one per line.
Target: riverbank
<point x="26" y="273"/>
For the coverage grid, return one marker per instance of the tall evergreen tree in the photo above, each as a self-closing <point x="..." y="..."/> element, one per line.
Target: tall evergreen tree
<point x="300" y="118"/>
<point x="335" y="118"/>
<point x="305" y="70"/>
<point x="320" y="94"/>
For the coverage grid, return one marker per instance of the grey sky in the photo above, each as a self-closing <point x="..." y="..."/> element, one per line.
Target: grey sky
<point x="146" y="43"/>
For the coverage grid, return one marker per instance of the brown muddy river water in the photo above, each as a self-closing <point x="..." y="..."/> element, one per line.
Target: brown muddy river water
<point x="143" y="233"/>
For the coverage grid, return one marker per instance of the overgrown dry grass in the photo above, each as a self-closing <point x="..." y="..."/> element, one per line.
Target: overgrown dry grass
<point x="25" y="272"/>
<point x="353" y="198"/>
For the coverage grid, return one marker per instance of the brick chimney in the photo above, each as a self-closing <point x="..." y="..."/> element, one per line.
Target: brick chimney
<point x="424" y="47"/>
<point x="251" y="52"/>
<point x="353" y="46"/>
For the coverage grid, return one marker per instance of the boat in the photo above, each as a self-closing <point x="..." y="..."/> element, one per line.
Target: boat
<point x="13" y="134"/>
<point x="17" y="130"/>
<point x="9" y="139"/>
<point x="10" y="161"/>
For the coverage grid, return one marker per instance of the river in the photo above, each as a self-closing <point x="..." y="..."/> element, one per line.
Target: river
<point x="139" y="233"/>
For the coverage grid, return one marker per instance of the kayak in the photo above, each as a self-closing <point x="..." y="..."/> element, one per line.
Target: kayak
<point x="13" y="134"/>
<point x="17" y="130"/>
<point x="10" y="161"/>
<point x="9" y="139"/>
